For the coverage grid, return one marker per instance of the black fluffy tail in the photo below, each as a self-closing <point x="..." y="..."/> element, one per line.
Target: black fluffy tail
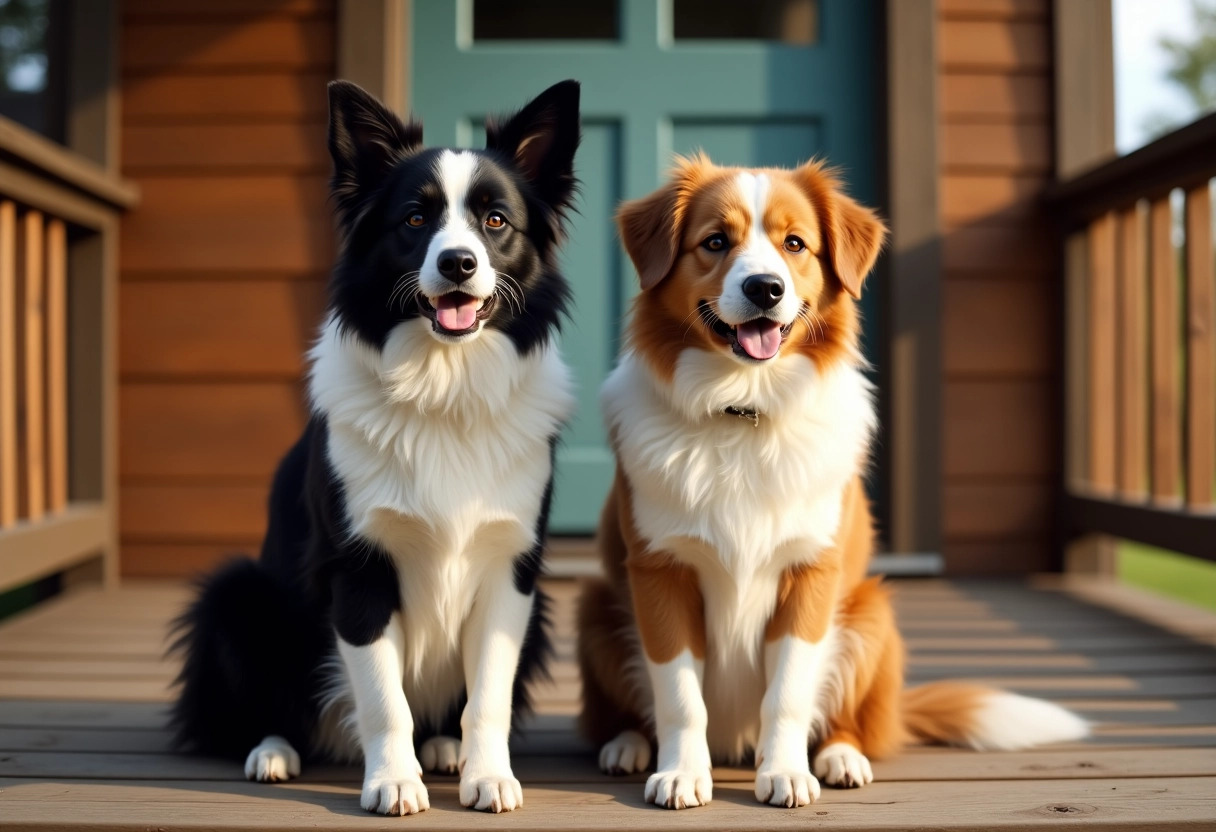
<point x="251" y="648"/>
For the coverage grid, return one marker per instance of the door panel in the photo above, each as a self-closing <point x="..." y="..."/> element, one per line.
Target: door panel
<point x="802" y="86"/>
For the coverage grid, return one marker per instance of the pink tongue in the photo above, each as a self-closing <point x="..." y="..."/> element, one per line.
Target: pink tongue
<point x="456" y="311"/>
<point x="760" y="338"/>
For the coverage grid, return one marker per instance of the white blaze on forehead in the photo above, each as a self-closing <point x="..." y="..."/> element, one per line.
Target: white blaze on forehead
<point x="455" y="175"/>
<point x="756" y="255"/>
<point x="455" y="170"/>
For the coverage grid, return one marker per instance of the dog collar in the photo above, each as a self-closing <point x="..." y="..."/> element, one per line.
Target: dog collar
<point x="750" y="414"/>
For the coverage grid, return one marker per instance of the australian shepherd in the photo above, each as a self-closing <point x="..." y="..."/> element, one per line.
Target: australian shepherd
<point x="396" y="593"/>
<point x="736" y="620"/>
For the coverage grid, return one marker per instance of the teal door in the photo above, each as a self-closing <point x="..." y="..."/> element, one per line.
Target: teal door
<point x="752" y="82"/>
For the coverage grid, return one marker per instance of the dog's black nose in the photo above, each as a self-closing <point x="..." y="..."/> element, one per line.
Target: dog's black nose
<point x="457" y="264"/>
<point x="764" y="290"/>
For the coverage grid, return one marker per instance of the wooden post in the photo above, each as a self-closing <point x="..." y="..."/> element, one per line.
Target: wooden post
<point x="8" y="364"/>
<point x="1132" y="442"/>
<point x="57" y="365"/>
<point x="1102" y="340"/>
<point x="1201" y="349"/>
<point x="35" y="391"/>
<point x="1164" y="338"/>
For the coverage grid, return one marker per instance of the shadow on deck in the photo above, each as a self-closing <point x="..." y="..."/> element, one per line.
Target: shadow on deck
<point x="83" y="687"/>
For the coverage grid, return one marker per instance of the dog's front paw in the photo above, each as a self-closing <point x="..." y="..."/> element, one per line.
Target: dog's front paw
<point x="627" y="753"/>
<point x="394" y="795"/>
<point x="490" y="792"/>
<point x="840" y="764"/>
<point x="786" y="786"/>
<point x="680" y="788"/>
<point x="272" y="761"/>
<point x="440" y="754"/>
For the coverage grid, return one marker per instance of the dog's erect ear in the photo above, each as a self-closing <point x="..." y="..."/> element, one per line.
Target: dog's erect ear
<point x="853" y="234"/>
<point x="365" y="140"/>
<point x="651" y="227"/>
<point x="541" y="140"/>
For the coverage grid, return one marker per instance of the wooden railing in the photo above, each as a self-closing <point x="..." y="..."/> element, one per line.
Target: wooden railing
<point x="1140" y="332"/>
<point x="58" y="237"/>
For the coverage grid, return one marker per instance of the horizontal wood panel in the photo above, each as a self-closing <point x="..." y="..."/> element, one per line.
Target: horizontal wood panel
<point x="997" y="557"/>
<point x="994" y="45"/>
<point x="207" y="429"/>
<point x="264" y="197"/>
<point x="999" y="327"/>
<point x="189" y="513"/>
<point x="994" y="97"/>
<point x="1002" y="148"/>
<point x="228" y="98"/>
<point x="133" y="10"/>
<point x="227" y="244"/>
<point x="989" y="199"/>
<point x="250" y="44"/>
<point x="999" y="429"/>
<point x="291" y="148"/>
<point x="1005" y="511"/>
<point x="217" y="328"/>
<point x="1024" y="249"/>
<point x="994" y="9"/>
<point x="180" y="560"/>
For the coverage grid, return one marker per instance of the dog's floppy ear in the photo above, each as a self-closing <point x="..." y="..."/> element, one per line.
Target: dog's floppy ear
<point x="651" y="227"/>
<point x="541" y="140"/>
<point x="365" y="140"/>
<point x="853" y="234"/>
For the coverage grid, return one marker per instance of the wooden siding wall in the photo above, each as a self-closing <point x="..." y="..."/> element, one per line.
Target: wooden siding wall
<point x="222" y="264"/>
<point x="1000" y="319"/>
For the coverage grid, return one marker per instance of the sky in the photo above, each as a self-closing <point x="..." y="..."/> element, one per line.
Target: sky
<point x="1140" y="65"/>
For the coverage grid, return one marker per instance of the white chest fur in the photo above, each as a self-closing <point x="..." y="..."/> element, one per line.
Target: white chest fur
<point x="443" y="454"/>
<point x="739" y="503"/>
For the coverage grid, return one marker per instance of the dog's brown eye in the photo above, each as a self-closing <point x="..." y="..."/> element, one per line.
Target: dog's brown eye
<point x="416" y="219"/>
<point x="495" y="220"/>
<point x="794" y="244"/>
<point x="714" y="242"/>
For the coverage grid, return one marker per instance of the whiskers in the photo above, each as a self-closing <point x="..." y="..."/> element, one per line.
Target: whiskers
<point x="510" y="290"/>
<point x="405" y="290"/>
<point x="816" y="326"/>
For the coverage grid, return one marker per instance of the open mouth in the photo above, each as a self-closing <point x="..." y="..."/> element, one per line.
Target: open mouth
<point x="759" y="339"/>
<point x="455" y="313"/>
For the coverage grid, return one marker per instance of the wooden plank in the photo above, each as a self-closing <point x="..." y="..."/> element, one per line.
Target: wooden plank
<point x="983" y="96"/>
<point x="123" y="716"/>
<point x="222" y="148"/>
<point x="57" y="365"/>
<point x="208" y="430"/>
<point x="1132" y="375"/>
<point x="1018" y="148"/>
<point x="33" y="550"/>
<point x="1102" y="326"/>
<point x="996" y="328"/>
<point x="229" y="98"/>
<point x="1084" y="117"/>
<point x="989" y="198"/>
<point x="994" y="46"/>
<point x="93" y="740"/>
<point x="993" y="9"/>
<point x="1201" y="350"/>
<point x="201" y="9"/>
<point x="1166" y="457"/>
<point x="997" y="557"/>
<point x="998" y="428"/>
<point x="49" y="157"/>
<point x="193" y="512"/>
<point x="180" y="560"/>
<point x="997" y="510"/>
<point x="72" y="690"/>
<point x="1024" y="250"/>
<point x="34" y="376"/>
<point x="218" y="330"/>
<point x="8" y="363"/>
<point x="1129" y="803"/>
<point x="255" y="44"/>
<point x="84" y="670"/>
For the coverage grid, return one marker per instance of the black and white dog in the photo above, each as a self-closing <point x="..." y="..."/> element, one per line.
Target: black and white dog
<point x="396" y="594"/>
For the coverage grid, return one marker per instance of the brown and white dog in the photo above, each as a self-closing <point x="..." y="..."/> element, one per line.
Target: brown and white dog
<point x="736" y="616"/>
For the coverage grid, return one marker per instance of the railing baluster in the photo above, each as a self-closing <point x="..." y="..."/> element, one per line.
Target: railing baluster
<point x="8" y="363"/>
<point x="1201" y="349"/>
<point x="57" y="364"/>
<point x="1165" y="339"/>
<point x="35" y="368"/>
<point x="1131" y="350"/>
<point x="1102" y="340"/>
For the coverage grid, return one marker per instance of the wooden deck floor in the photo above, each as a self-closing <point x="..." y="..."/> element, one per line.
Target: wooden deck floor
<point x="82" y="743"/>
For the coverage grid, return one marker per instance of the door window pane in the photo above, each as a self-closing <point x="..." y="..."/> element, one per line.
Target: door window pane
<point x="546" y="20"/>
<point x="28" y="65"/>
<point x="786" y="21"/>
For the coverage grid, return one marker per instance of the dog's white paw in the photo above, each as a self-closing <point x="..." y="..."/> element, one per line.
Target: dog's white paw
<point x="272" y="761"/>
<point x="627" y="753"/>
<point x="394" y="796"/>
<point x="490" y="792"/>
<point x="840" y="764"/>
<point x="680" y="789"/>
<point x="788" y="787"/>
<point x="440" y="754"/>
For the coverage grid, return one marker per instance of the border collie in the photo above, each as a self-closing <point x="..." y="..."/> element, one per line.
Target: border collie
<point x="396" y="594"/>
<point x="736" y="618"/>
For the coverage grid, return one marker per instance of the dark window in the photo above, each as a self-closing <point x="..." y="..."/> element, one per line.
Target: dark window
<point x="784" y="21"/>
<point x="31" y="65"/>
<point x="546" y="20"/>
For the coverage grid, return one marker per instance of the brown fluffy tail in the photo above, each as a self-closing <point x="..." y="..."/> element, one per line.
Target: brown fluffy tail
<point x="956" y="713"/>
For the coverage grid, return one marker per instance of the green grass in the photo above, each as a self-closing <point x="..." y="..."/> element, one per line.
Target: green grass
<point x="1178" y="576"/>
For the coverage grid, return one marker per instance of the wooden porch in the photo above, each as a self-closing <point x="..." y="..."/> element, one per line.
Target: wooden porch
<point x="83" y="687"/>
